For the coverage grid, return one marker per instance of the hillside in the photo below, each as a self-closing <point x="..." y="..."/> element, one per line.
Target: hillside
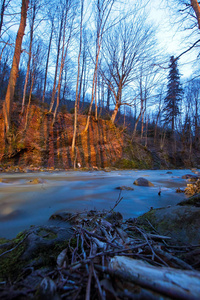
<point x="104" y="145"/>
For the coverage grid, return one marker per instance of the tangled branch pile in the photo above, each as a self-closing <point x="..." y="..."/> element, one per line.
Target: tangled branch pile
<point x="107" y="258"/>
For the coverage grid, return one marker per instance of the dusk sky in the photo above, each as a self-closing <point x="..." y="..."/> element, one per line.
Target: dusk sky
<point x="171" y="36"/>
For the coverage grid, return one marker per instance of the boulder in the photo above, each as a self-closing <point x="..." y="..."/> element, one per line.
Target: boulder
<point x="37" y="181"/>
<point x="124" y="188"/>
<point x="64" y="216"/>
<point x="114" y="217"/>
<point x="189" y="176"/>
<point x="41" y="238"/>
<point x="193" y="201"/>
<point x="181" y="223"/>
<point x="178" y="190"/>
<point x="143" y="182"/>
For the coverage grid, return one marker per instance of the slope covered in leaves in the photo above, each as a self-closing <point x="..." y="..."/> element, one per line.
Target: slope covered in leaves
<point x="47" y="146"/>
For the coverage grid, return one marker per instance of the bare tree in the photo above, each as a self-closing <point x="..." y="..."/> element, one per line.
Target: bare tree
<point x="31" y="17"/>
<point x="68" y="18"/>
<point x="35" y="62"/>
<point x="103" y="9"/>
<point x="4" y="5"/>
<point x="48" y="55"/>
<point x="15" y="64"/>
<point x="126" y="47"/>
<point x="196" y="8"/>
<point x="77" y="84"/>
<point x="61" y="20"/>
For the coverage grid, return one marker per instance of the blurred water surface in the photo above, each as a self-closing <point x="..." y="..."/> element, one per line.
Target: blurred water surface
<point x="23" y="203"/>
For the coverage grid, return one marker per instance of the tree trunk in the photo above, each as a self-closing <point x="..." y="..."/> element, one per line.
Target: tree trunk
<point x="113" y="117"/>
<point x="15" y="65"/>
<point x="47" y="63"/>
<point x="29" y="101"/>
<point x="136" y="124"/>
<point x="29" y="56"/>
<point x="138" y="118"/>
<point x="108" y="99"/>
<point x="81" y="83"/>
<point x="63" y="58"/>
<point x="3" y="7"/>
<point x="93" y="85"/>
<point x="196" y="7"/>
<point x="118" y="98"/>
<point x="142" y="125"/>
<point x="56" y="70"/>
<point x="95" y="95"/>
<point x="77" y="85"/>
<point x="146" y="137"/>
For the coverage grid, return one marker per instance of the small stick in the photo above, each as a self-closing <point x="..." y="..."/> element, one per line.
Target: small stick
<point x="153" y="252"/>
<point x="117" y="202"/>
<point x="83" y="251"/>
<point x="101" y="238"/>
<point x="87" y="297"/>
<point x="98" y="283"/>
<point x="175" y="260"/>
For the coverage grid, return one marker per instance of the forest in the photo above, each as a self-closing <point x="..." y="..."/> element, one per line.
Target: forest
<point x="87" y="84"/>
<point x="99" y="149"/>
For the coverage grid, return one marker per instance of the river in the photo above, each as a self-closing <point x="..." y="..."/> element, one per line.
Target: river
<point x="23" y="203"/>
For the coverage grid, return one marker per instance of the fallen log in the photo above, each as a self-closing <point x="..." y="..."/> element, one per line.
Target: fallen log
<point x="174" y="283"/>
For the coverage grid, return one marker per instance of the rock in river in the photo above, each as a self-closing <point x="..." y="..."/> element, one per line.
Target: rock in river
<point x="181" y="223"/>
<point x="124" y="188"/>
<point x="143" y="182"/>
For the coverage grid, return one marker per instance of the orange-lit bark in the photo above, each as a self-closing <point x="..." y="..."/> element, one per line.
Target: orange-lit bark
<point x="7" y="106"/>
<point x="196" y="7"/>
<point x="77" y="85"/>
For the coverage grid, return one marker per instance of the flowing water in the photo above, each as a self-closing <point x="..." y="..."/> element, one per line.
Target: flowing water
<point x="23" y="203"/>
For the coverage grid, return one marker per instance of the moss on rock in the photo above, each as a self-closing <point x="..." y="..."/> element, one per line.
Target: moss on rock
<point x="193" y="201"/>
<point x="181" y="223"/>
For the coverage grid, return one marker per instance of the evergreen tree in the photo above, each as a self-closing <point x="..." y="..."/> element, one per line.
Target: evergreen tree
<point x="174" y="94"/>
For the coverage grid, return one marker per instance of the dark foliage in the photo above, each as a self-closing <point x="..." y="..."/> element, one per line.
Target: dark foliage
<point x="174" y="94"/>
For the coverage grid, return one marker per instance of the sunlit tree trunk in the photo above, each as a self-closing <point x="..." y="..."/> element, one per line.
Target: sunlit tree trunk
<point x="96" y="107"/>
<point x="32" y="21"/>
<point x="7" y="106"/>
<point x="93" y="87"/>
<point x="118" y="98"/>
<point x="103" y="11"/>
<point x="64" y="54"/>
<point x="77" y="85"/>
<point x="196" y="7"/>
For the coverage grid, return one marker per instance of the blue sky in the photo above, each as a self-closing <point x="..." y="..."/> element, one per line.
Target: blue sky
<point x="171" y="36"/>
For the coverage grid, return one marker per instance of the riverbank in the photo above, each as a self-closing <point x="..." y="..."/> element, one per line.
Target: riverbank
<point x="93" y="259"/>
<point x="100" y="254"/>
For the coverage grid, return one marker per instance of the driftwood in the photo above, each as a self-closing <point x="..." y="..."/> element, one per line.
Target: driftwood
<point x="166" y="281"/>
<point x="114" y="260"/>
